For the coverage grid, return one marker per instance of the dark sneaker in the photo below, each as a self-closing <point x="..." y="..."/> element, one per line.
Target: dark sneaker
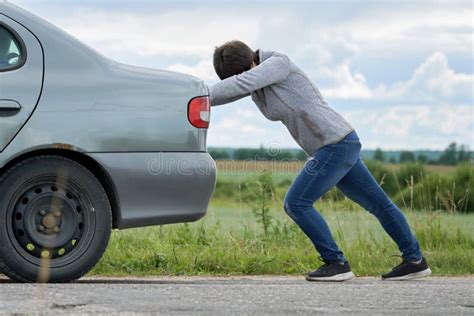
<point x="332" y="272"/>
<point x="408" y="271"/>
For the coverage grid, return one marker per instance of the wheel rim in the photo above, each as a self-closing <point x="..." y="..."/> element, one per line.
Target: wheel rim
<point x="51" y="218"/>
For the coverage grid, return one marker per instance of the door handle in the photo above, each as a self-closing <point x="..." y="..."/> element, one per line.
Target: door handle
<point x="9" y="105"/>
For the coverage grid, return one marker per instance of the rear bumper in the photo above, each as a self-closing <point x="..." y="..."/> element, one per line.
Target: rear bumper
<point x="159" y="188"/>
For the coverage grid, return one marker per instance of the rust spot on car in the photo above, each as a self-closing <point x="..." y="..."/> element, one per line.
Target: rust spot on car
<point x="63" y="146"/>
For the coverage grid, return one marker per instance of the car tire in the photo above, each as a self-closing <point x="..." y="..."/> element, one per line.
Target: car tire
<point x="55" y="220"/>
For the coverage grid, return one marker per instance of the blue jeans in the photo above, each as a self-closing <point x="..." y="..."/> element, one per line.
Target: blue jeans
<point x="340" y="165"/>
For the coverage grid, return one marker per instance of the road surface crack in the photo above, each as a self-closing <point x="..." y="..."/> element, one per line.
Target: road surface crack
<point x="66" y="306"/>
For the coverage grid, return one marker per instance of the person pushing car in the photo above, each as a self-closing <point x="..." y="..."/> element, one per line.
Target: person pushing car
<point x="283" y="92"/>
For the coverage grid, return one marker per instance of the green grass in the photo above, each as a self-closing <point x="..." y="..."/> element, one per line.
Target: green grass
<point x="247" y="232"/>
<point x="229" y="241"/>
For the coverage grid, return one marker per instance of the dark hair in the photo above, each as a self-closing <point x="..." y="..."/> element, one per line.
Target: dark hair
<point x="233" y="58"/>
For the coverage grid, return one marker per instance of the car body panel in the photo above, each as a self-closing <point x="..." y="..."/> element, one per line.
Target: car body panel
<point x="147" y="184"/>
<point x="120" y="116"/>
<point x="21" y="86"/>
<point x="144" y="113"/>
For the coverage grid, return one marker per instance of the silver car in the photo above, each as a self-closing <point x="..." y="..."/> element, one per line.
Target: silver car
<point x="88" y="144"/>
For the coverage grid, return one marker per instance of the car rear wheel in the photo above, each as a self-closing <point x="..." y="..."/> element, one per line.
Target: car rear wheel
<point x="55" y="220"/>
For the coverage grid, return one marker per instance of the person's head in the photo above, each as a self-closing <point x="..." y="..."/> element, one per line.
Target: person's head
<point x="233" y="58"/>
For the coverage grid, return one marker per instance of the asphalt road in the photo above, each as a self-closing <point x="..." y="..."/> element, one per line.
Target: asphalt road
<point x="240" y="296"/>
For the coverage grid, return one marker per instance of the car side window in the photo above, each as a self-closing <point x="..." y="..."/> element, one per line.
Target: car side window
<point x="11" y="54"/>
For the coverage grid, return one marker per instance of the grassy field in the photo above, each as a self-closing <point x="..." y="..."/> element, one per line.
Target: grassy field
<point x="233" y="239"/>
<point x="228" y="241"/>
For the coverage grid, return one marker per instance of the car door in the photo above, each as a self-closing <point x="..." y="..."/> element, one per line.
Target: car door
<point x="21" y="77"/>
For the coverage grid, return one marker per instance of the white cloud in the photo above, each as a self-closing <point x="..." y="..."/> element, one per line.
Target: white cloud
<point x="345" y="84"/>
<point x="242" y="125"/>
<point x="391" y="32"/>
<point x="183" y="32"/>
<point x="204" y="69"/>
<point x="430" y="27"/>
<point x="432" y="81"/>
<point x="414" y="126"/>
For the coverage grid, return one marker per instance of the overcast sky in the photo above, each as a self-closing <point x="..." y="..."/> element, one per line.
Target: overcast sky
<point x="400" y="71"/>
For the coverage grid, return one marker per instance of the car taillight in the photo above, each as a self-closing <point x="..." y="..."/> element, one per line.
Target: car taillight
<point x="199" y="112"/>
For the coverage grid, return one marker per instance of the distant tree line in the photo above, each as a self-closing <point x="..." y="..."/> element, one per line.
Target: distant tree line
<point x="258" y="154"/>
<point x="452" y="155"/>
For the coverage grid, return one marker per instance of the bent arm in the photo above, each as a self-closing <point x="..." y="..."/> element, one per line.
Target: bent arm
<point x="271" y="71"/>
<point x="219" y="101"/>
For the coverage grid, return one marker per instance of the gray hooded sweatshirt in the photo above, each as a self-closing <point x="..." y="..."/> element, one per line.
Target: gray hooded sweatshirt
<point x="283" y="92"/>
